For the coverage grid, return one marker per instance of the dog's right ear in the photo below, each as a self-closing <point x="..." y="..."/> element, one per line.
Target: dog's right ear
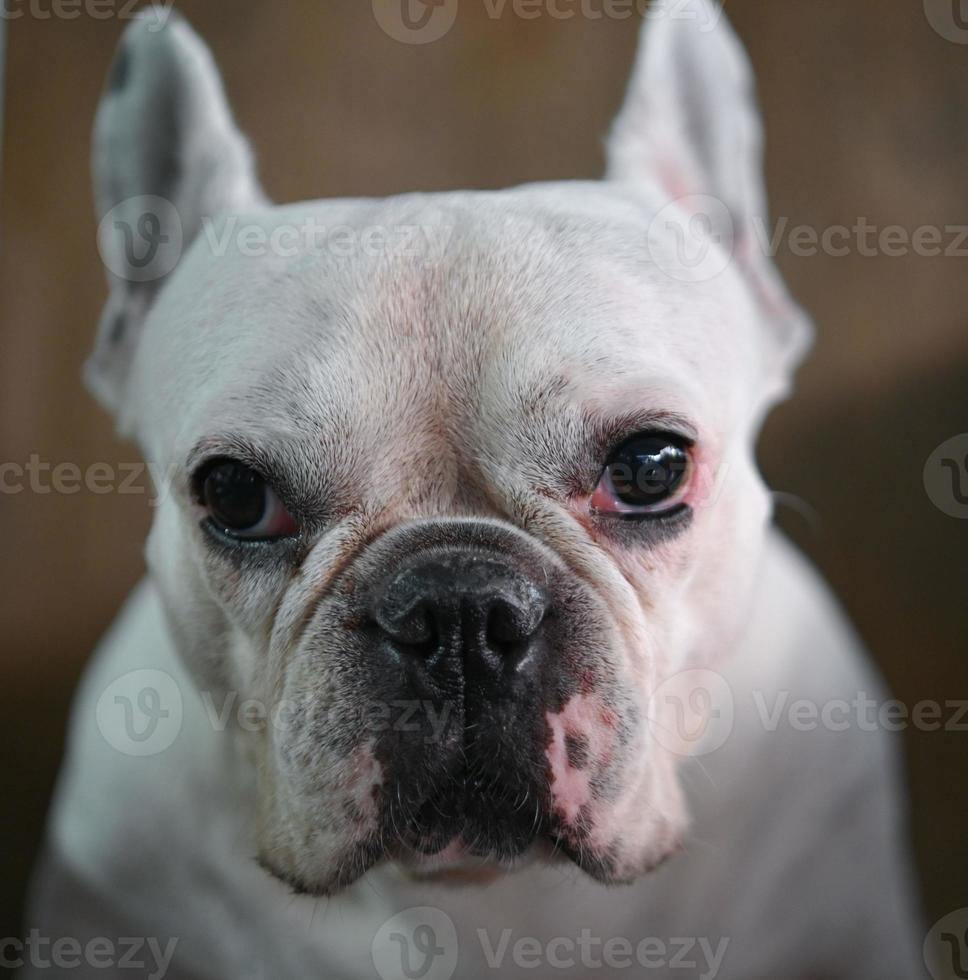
<point x="690" y="124"/>
<point x="166" y="156"/>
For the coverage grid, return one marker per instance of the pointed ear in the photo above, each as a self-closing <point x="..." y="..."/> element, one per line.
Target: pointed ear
<point x="690" y="122"/>
<point x="166" y="156"/>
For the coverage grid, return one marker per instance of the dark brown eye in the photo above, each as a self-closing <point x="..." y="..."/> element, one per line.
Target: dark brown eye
<point x="646" y="475"/>
<point x="241" y="503"/>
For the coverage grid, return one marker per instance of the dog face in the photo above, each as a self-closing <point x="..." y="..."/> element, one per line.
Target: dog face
<point x="451" y="511"/>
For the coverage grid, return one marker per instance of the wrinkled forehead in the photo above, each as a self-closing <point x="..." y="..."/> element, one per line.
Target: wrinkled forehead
<point x="387" y="319"/>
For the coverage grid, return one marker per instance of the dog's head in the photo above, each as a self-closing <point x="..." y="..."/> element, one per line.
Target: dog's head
<point x="453" y="482"/>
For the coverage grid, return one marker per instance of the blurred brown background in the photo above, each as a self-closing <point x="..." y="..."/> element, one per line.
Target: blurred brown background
<point x="866" y="105"/>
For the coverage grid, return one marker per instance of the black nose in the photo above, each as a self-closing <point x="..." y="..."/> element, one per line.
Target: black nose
<point x="463" y="606"/>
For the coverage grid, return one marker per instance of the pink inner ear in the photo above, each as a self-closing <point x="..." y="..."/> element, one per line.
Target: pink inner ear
<point x="775" y="304"/>
<point x="673" y="179"/>
<point x="770" y="293"/>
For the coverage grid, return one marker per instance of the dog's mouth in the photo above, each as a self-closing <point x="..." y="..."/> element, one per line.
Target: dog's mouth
<point x="492" y="810"/>
<point x="468" y="811"/>
<point x="484" y="828"/>
<point x="461" y="863"/>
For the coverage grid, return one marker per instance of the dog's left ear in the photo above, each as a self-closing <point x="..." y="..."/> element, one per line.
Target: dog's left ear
<point x="690" y="122"/>
<point x="166" y="155"/>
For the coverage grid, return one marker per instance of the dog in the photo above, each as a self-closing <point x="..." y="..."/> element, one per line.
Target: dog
<point x="466" y="642"/>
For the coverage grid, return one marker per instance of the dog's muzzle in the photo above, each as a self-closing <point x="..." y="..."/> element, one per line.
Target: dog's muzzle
<point x="472" y="677"/>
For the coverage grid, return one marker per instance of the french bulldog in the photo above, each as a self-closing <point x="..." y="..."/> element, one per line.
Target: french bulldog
<point x="466" y="640"/>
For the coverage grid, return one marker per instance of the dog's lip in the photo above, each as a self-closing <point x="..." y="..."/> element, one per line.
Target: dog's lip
<point x="454" y="853"/>
<point x="457" y="861"/>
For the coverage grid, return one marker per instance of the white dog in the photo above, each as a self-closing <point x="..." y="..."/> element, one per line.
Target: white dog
<point x="464" y="613"/>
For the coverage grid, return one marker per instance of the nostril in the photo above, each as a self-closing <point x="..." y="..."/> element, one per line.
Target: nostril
<point x="418" y="626"/>
<point x="510" y="624"/>
<point x="411" y="626"/>
<point x="503" y="624"/>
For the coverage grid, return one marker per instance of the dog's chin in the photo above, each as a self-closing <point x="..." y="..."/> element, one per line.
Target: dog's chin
<point x="458" y="864"/>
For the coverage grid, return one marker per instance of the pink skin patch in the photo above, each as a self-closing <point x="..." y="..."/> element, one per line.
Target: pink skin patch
<point x="645" y="823"/>
<point x="364" y="776"/>
<point x="586" y="718"/>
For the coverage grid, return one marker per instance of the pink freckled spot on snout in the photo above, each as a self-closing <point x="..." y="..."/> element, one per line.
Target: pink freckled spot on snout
<point x="608" y="718"/>
<point x="582" y="718"/>
<point x="569" y="787"/>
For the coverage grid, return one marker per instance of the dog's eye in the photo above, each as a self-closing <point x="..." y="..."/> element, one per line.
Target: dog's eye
<point x="648" y="475"/>
<point x="242" y="504"/>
